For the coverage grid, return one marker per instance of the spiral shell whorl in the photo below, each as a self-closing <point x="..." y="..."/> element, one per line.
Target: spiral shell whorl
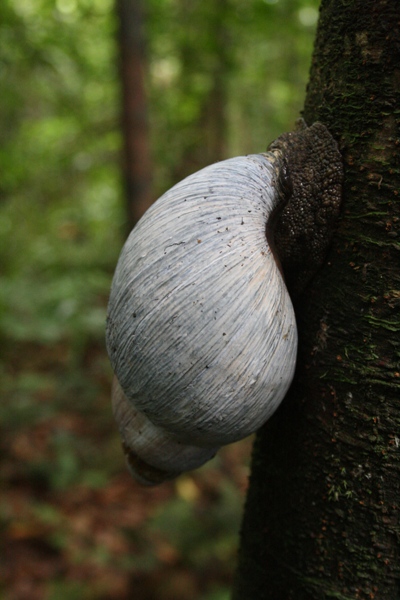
<point x="201" y="331"/>
<point x="152" y="455"/>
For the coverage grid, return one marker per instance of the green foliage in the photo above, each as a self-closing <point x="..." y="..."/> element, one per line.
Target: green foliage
<point x="260" y="49"/>
<point x="60" y="213"/>
<point x="202" y="535"/>
<point x="218" y="594"/>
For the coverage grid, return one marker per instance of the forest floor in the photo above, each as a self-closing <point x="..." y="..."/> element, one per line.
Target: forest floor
<point x="74" y="524"/>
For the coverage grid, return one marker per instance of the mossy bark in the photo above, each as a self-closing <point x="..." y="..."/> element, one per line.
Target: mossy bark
<point x="322" y="513"/>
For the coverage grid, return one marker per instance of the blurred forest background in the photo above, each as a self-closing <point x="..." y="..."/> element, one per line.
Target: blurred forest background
<point x="222" y="78"/>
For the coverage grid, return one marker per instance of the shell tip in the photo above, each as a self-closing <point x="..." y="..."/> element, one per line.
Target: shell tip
<point x="144" y="473"/>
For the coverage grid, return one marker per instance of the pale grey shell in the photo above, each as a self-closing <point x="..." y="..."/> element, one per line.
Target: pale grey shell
<point x="201" y="331"/>
<point x="161" y="456"/>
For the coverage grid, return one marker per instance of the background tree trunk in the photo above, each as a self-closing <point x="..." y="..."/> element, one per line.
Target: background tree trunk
<point x="321" y="519"/>
<point x="207" y="138"/>
<point x="136" y="154"/>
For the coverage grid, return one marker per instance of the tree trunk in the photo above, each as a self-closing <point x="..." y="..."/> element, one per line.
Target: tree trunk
<point x="321" y="519"/>
<point x="206" y="141"/>
<point x="136" y="152"/>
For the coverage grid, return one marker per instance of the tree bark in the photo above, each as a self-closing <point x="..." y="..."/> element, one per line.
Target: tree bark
<point x="321" y="519"/>
<point x="136" y="150"/>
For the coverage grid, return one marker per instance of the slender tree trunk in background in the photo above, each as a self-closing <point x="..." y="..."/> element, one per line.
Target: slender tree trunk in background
<point x="214" y="117"/>
<point x="136" y="153"/>
<point x="321" y="519"/>
<point x="208" y="144"/>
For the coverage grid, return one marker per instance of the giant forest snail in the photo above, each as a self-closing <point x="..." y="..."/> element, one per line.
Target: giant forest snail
<point x="201" y="331"/>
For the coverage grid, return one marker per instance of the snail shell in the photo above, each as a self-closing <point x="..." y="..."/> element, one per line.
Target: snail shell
<point x="201" y="330"/>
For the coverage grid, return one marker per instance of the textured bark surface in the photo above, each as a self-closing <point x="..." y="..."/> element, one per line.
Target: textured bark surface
<point x="322" y="514"/>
